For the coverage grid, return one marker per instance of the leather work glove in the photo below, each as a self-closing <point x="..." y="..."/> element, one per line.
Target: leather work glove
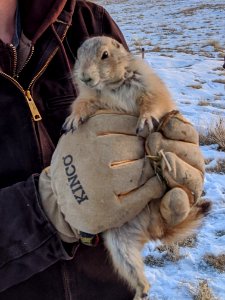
<point x="100" y="177"/>
<point x="176" y="157"/>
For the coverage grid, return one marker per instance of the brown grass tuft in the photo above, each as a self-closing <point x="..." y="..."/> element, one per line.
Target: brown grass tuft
<point x="156" y="49"/>
<point x="173" y="253"/>
<point x="215" y="44"/>
<point x="152" y="261"/>
<point x="222" y="81"/>
<point x="218" y="168"/>
<point x="217" y="262"/>
<point x="195" y="86"/>
<point x="203" y="291"/>
<point x="214" y="135"/>
<point x="203" y="103"/>
<point x="189" y="242"/>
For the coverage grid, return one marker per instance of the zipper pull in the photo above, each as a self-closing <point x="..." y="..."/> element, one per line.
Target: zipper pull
<point x="33" y="108"/>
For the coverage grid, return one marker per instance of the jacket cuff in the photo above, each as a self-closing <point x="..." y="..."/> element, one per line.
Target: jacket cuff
<point x="28" y="239"/>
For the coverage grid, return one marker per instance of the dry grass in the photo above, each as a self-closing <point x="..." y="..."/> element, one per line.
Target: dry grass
<point x="167" y="55"/>
<point x="218" y="69"/>
<point x="189" y="242"/>
<point x="173" y="253"/>
<point x="174" y="249"/>
<point x="217" y="262"/>
<point x="219" y="81"/>
<point x="200" y="81"/>
<point x="187" y="51"/>
<point x="206" y="54"/>
<point x="203" y="103"/>
<point x="204" y="139"/>
<point x="221" y="54"/>
<point x="138" y="43"/>
<point x="200" y="292"/>
<point x="219" y="168"/>
<point x="152" y="261"/>
<point x="203" y="291"/>
<point x="156" y="49"/>
<point x="214" y="135"/>
<point x="192" y="10"/>
<point x="215" y="44"/>
<point x="195" y="86"/>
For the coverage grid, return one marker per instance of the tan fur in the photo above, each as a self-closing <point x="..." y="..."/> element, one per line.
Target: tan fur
<point x="119" y="82"/>
<point x="125" y="243"/>
<point x="125" y="83"/>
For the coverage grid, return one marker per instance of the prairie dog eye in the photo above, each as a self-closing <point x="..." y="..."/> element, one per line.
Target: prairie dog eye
<point x="105" y="55"/>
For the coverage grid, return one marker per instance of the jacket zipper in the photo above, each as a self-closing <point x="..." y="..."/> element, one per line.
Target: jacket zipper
<point x="26" y="62"/>
<point x="13" y="48"/>
<point x="30" y="101"/>
<point x="46" y="64"/>
<point x="33" y="108"/>
<point x="42" y="69"/>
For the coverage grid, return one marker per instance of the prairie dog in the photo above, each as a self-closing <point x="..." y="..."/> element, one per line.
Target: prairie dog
<point x="109" y="77"/>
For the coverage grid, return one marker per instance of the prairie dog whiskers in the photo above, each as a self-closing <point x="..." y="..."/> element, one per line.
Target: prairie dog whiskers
<point x="109" y="77"/>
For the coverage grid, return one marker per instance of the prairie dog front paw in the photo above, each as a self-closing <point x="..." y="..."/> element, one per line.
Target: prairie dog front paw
<point x="82" y="109"/>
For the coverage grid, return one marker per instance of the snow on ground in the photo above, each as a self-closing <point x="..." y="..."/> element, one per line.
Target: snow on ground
<point x="184" y="42"/>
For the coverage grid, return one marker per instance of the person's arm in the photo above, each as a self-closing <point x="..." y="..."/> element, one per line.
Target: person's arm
<point x="29" y="242"/>
<point x="93" y="20"/>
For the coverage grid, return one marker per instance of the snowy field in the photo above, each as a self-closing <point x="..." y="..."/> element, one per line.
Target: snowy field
<point x="184" y="42"/>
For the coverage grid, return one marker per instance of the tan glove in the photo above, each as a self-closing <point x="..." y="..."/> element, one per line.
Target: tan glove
<point x="176" y="157"/>
<point x="99" y="177"/>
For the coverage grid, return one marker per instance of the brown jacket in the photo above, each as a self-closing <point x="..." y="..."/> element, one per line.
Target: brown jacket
<point x="34" y="102"/>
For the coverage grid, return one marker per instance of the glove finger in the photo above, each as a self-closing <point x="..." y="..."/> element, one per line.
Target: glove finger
<point x="154" y="188"/>
<point x="175" y="206"/>
<point x="108" y="122"/>
<point x="190" y="153"/>
<point x="182" y="175"/>
<point x="133" y="174"/>
<point x="176" y="127"/>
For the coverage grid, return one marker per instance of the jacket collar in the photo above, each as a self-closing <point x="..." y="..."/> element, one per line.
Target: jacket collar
<point x="38" y="15"/>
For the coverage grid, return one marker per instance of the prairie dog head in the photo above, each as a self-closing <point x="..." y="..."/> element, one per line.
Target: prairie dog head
<point x="101" y="62"/>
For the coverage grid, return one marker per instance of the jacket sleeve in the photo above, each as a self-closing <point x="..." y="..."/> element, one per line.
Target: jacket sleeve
<point x="93" y="20"/>
<point x="29" y="243"/>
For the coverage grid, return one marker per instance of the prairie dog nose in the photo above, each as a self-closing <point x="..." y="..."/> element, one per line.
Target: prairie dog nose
<point x="86" y="78"/>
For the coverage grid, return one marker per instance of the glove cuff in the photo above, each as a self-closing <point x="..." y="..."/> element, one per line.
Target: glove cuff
<point x="52" y="209"/>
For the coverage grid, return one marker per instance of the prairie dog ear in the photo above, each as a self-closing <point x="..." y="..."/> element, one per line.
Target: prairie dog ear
<point x="116" y="44"/>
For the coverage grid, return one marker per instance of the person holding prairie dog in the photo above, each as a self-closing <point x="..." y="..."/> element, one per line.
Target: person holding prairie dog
<point x="38" y="220"/>
<point x="110" y="78"/>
